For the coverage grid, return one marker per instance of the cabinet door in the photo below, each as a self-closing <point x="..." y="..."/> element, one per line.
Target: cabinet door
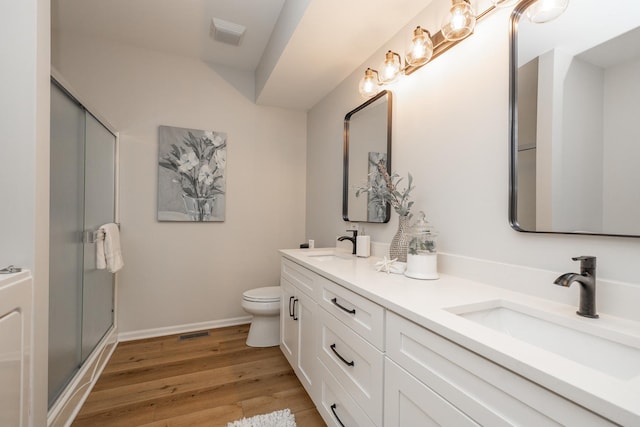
<point x="305" y="313"/>
<point x="288" y="326"/>
<point x="410" y="403"/>
<point x="15" y="342"/>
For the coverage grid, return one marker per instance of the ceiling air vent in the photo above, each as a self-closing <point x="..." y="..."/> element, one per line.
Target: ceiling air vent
<point x="227" y="32"/>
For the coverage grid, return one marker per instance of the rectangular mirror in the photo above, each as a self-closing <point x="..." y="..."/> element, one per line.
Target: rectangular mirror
<point x="575" y="104"/>
<point x="367" y="142"/>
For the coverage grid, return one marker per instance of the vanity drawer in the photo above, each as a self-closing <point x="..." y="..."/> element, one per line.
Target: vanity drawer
<point x="360" y="314"/>
<point x="486" y="392"/>
<point x="355" y="363"/>
<point x="337" y="408"/>
<point x="301" y="277"/>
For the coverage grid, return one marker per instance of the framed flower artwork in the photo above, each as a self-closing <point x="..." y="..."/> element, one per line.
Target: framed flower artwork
<point x="191" y="174"/>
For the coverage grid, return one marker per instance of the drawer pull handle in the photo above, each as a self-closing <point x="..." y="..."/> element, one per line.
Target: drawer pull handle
<point x="333" y="409"/>
<point x="335" y="302"/>
<point x="290" y="308"/>
<point x="333" y="348"/>
<point x="294" y="309"/>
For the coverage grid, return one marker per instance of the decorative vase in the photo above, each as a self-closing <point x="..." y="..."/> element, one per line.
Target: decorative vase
<point x="199" y="208"/>
<point x="400" y="242"/>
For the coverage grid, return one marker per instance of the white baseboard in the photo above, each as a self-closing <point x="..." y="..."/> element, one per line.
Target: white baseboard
<point x="67" y="406"/>
<point x="178" y="329"/>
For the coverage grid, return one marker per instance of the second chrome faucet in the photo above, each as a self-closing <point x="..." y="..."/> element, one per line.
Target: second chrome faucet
<point x="587" y="281"/>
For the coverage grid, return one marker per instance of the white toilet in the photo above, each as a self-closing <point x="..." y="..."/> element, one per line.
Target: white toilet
<point x="264" y="305"/>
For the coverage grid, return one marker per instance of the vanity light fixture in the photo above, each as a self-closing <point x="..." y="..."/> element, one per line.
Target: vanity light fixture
<point x="546" y="10"/>
<point x="391" y="67"/>
<point x="420" y="48"/>
<point x="369" y="83"/>
<point x="423" y="46"/>
<point x="460" y="22"/>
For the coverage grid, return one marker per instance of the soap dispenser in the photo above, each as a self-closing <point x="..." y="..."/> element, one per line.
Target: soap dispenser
<point x="422" y="257"/>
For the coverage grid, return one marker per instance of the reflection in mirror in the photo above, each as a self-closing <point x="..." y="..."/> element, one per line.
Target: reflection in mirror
<point x="367" y="143"/>
<point x="575" y="104"/>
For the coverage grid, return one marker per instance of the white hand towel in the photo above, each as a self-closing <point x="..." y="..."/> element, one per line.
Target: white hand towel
<point x="112" y="251"/>
<point x="101" y="261"/>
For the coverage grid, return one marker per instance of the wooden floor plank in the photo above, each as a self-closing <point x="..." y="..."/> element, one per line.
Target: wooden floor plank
<point x="131" y="355"/>
<point x="178" y="366"/>
<point x="149" y="390"/>
<point x="225" y="395"/>
<point x="210" y="380"/>
<point x="214" y="417"/>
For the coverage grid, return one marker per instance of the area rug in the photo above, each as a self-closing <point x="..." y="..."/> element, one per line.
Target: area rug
<point x="283" y="418"/>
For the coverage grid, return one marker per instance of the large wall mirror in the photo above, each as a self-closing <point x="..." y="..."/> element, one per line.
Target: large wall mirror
<point x="367" y="144"/>
<point x="575" y="120"/>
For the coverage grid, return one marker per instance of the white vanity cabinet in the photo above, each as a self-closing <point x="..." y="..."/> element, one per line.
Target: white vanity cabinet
<point x="365" y="365"/>
<point x="350" y="350"/>
<point x="334" y="339"/>
<point x="430" y="377"/>
<point x="298" y="323"/>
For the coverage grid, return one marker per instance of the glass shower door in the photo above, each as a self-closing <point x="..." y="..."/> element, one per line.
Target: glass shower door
<point x="66" y="214"/>
<point x="82" y="198"/>
<point x="99" y="202"/>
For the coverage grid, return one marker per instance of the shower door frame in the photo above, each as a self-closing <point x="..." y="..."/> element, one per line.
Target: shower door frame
<point x="68" y="403"/>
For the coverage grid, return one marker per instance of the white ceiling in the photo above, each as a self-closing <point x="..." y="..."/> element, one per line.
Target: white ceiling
<point x="314" y="47"/>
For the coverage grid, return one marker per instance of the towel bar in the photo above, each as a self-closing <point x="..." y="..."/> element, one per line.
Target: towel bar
<point x="93" y="236"/>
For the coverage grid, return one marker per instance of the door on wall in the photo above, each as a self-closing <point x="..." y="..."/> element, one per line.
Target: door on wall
<point x="82" y="197"/>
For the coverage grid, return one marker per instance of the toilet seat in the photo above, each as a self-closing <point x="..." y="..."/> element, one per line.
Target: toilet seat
<point x="265" y="294"/>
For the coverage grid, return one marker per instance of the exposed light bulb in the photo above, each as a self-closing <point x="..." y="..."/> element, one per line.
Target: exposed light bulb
<point x="369" y="84"/>
<point x="457" y="19"/>
<point x="420" y="48"/>
<point x="546" y="10"/>
<point x="390" y="67"/>
<point x="460" y="22"/>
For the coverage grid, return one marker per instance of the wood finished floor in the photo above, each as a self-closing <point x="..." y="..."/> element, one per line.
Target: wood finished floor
<point x="206" y="381"/>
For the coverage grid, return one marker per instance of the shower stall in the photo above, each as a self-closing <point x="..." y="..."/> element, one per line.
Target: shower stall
<point x="82" y="198"/>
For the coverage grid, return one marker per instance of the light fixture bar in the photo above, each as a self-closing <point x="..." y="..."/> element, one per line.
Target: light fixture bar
<point x="441" y="45"/>
<point x="423" y="47"/>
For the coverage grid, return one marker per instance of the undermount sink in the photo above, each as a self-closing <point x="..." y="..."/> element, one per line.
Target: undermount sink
<point x="328" y="255"/>
<point x="608" y="351"/>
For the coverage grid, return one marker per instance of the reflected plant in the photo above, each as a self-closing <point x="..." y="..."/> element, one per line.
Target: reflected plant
<point x="419" y="246"/>
<point x="385" y="190"/>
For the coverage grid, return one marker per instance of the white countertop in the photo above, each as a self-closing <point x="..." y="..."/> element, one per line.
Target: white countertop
<point x="425" y="302"/>
<point x="8" y="279"/>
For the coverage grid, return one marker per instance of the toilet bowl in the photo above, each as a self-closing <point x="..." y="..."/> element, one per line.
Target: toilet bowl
<point x="264" y="305"/>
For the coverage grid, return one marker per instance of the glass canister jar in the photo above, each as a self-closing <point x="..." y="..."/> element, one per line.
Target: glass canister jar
<point x="422" y="257"/>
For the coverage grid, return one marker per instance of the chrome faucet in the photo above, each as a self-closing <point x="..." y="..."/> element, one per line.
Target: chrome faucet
<point x="352" y="239"/>
<point x="587" y="280"/>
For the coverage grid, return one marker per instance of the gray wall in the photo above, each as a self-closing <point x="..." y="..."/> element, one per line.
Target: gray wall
<point x="188" y="273"/>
